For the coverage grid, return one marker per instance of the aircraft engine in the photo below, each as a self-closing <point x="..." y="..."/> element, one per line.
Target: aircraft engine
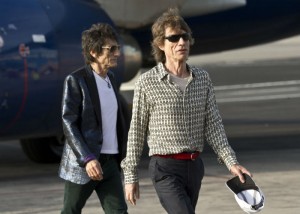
<point x="132" y="56"/>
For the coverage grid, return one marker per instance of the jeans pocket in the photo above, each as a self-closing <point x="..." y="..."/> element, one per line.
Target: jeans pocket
<point x="158" y="173"/>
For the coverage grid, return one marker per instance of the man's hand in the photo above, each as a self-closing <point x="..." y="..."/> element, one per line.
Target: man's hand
<point x="132" y="192"/>
<point x="94" y="170"/>
<point x="238" y="170"/>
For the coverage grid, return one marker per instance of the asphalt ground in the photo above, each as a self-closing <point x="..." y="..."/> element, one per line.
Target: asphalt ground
<point x="27" y="187"/>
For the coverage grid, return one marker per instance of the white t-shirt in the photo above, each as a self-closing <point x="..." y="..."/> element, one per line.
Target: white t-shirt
<point x="109" y="110"/>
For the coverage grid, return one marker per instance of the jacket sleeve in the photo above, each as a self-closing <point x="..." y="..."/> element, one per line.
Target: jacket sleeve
<point x="71" y="111"/>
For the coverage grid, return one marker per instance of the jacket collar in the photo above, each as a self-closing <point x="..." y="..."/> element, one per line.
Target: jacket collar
<point x="92" y="87"/>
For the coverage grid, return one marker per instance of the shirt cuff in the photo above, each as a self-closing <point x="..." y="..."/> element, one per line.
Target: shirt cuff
<point x="89" y="158"/>
<point x="230" y="161"/>
<point x="131" y="177"/>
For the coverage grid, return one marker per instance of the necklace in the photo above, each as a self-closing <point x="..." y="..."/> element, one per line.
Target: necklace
<point x="106" y="79"/>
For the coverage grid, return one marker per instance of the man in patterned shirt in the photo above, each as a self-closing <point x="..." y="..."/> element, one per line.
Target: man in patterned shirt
<point x="175" y="110"/>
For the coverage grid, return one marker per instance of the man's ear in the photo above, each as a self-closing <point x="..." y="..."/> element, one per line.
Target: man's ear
<point x="93" y="54"/>
<point x="161" y="47"/>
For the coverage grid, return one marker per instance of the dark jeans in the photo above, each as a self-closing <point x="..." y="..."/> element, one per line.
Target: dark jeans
<point x="109" y="190"/>
<point x="177" y="183"/>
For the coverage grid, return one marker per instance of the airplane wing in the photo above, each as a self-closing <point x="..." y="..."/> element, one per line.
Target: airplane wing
<point x="133" y="14"/>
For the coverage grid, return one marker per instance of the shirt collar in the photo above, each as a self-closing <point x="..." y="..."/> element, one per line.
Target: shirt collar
<point x="162" y="72"/>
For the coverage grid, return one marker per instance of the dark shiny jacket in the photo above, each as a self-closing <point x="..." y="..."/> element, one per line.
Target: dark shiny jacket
<point x="82" y="124"/>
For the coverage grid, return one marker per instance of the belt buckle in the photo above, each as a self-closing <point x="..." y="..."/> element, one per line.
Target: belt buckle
<point x="193" y="156"/>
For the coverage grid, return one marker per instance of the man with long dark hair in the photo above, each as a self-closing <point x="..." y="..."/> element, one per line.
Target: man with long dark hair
<point x="94" y="127"/>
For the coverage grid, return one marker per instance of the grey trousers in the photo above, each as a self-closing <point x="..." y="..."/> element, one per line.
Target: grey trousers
<point x="177" y="183"/>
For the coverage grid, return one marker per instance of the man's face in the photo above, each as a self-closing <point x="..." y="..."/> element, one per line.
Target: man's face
<point x="109" y="55"/>
<point x="176" y="45"/>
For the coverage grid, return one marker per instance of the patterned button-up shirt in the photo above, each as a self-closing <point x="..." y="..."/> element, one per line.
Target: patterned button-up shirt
<point x="172" y="121"/>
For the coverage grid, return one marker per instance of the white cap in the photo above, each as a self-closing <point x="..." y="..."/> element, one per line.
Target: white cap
<point x="248" y="196"/>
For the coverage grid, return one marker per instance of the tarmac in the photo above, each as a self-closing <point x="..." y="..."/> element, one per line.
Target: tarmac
<point x="30" y="188"/>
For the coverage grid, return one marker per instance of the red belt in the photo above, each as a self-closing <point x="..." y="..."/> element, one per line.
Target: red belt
<point x="182" y="156"/>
